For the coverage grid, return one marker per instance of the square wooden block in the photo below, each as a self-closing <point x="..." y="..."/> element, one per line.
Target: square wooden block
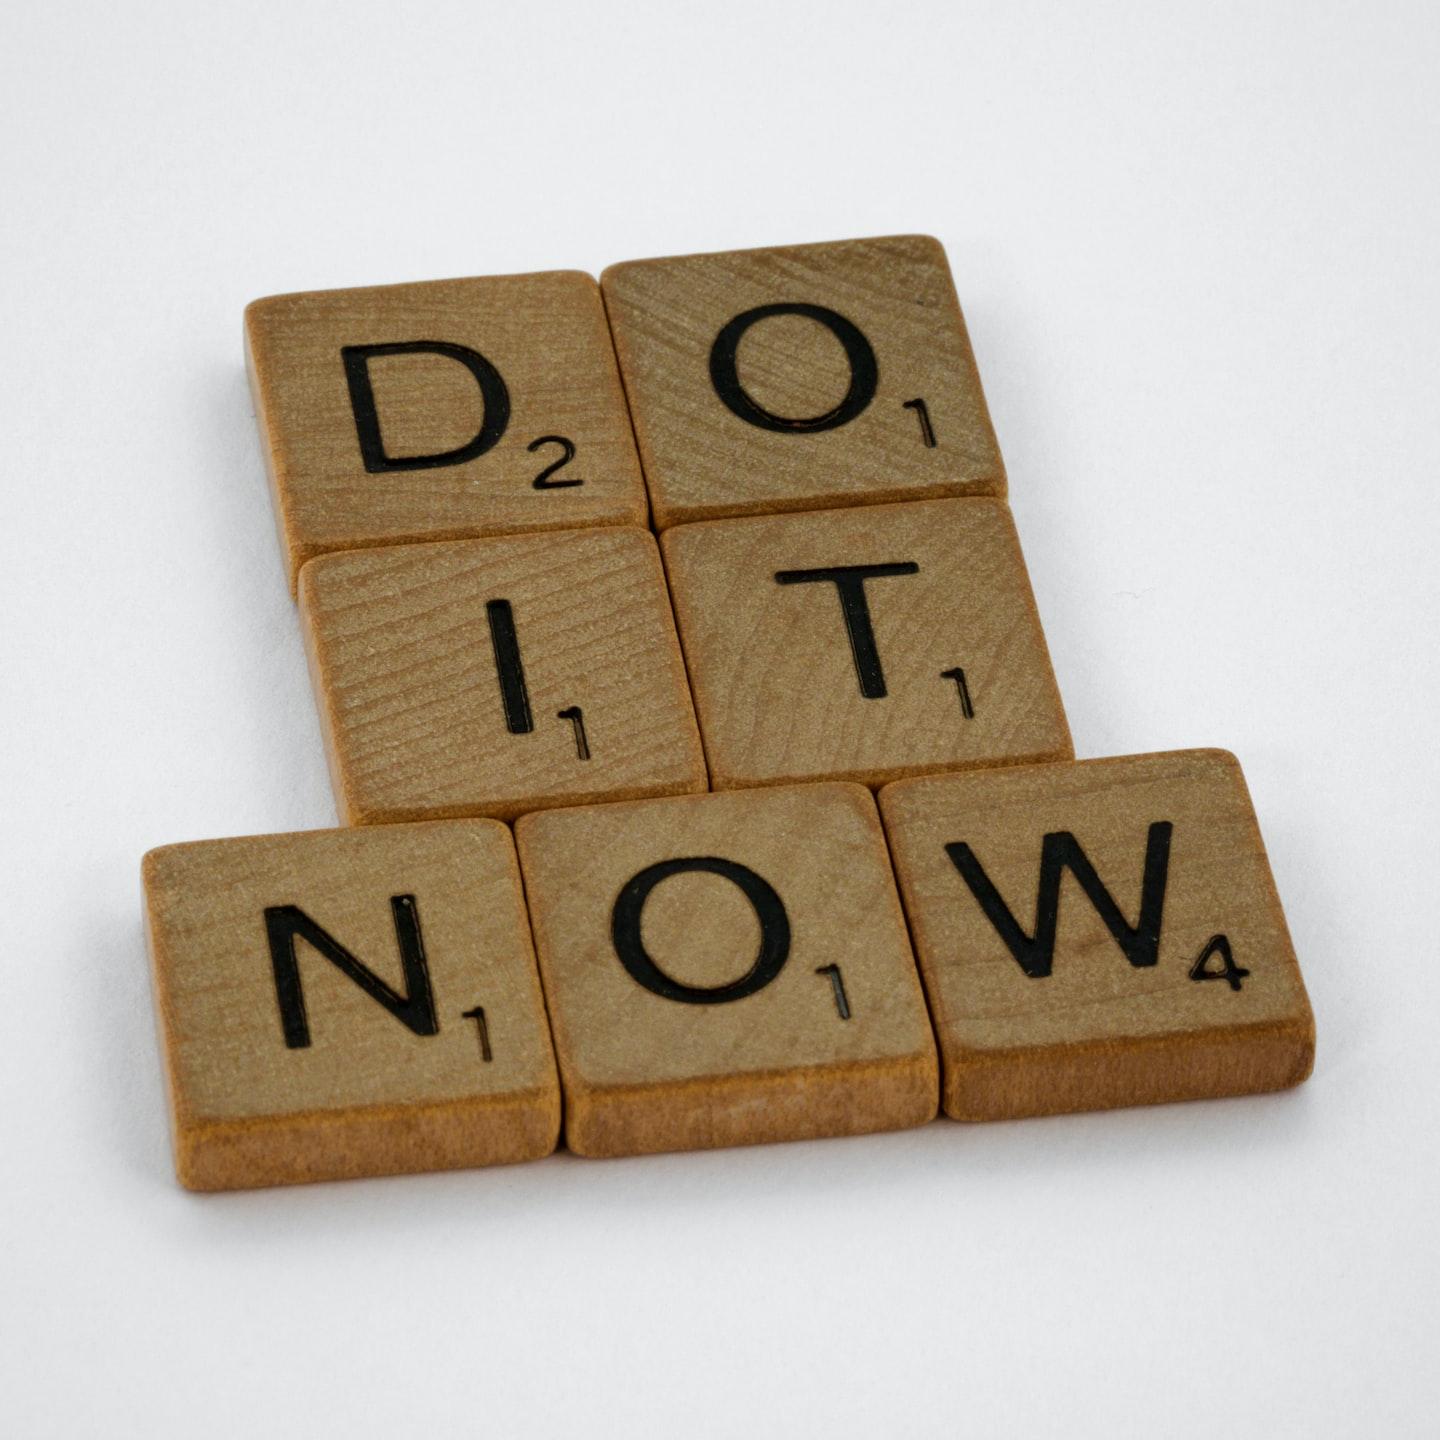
<point x="440" y="410"/>
<point x="727" y="969"/>
<point x="864" y="644"/>
<point x="488" y="677"/>
<point x="348" y="1002"/>
<point x="800" y="378"/>
<point x="1099" y="934"/>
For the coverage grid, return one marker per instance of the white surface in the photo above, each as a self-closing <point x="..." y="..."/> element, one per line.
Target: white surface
<point x="1197" y="250"/>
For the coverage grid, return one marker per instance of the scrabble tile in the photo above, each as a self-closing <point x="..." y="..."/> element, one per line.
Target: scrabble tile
<point x="800" y="378"/>
<point x="863" y="644"/>
<point x="727" y="969"/>
<point x="441" y="410"/>
<point x="348" y="1002"/>
<point x="487" y="677"/>
<point x="1160" y="969"/>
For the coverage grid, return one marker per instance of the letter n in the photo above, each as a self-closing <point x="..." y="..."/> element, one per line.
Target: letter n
<point x="415" y="1008"/>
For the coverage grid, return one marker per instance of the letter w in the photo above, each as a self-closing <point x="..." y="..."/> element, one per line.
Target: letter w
<point x="415" y="1008"/>
<point x="1036" y="953"/>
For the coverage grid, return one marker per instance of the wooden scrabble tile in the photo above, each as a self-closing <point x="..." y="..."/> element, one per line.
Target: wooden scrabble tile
<point x="440" y="410"/>
<point x="727" y="969"/>
<point x="1161" y="970"/>
<point x="348" y="1002"/>
<point x="863" y="644"/>
<point x="487" y="677"/>
<point x="800" y="378"/>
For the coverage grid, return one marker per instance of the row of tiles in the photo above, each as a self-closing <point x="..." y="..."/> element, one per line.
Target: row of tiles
<point x="699" y="387"/>
<point x="720" y="969"/>
<point x="494" y="677"/>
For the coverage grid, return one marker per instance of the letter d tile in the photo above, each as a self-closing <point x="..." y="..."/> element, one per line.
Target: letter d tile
<point x="440" y="410"/>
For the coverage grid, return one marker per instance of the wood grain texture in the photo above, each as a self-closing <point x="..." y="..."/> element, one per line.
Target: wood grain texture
<point x="545" y="334"/>
<point x="778" y="683"/>
<point x="703" y="461"/>
<point x="368" y="1095"/>
<point x="643" y="1071"/>
<point x="1097" y="1031"/>
<point x="403" y="653"/>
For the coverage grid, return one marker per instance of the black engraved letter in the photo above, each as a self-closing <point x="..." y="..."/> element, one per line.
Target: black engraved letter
<point x="508" y="667"/>
<point x="864" y="373"/>
<point x="1059" y="851"/>
<point x="367" y="419"/>
<point x="415" y="1008"/>
<point x="769" y="910"/>
<point x="849" y="582"/>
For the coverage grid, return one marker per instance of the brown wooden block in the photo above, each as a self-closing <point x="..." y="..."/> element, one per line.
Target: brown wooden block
<point x="727" y="969"/>
<point x="800" y="378"/>
<point x="440" y="410"/>
<point x="487" y="677"/>
<point x="1098" y="934"/>
<point x="864" y="644"/>
<point x="348" y="1002"/>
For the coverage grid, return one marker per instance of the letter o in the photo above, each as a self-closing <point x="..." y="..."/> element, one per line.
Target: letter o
<point x="769" y="910"/>
<point x="864" y="371"/>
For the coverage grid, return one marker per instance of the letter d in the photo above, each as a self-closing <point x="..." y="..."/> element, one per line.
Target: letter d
<point x="367" y="420"/>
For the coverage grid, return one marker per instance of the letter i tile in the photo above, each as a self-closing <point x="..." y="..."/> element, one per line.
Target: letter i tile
<point x="863" y="644"/>
<point x="1098" y="934"/>
<point x="490" y="677"/>
<point x="727" y="969"/>
<point x="348" y="1002"/>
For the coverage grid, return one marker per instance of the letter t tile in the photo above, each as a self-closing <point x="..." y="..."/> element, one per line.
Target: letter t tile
<point x="863" y="644"/>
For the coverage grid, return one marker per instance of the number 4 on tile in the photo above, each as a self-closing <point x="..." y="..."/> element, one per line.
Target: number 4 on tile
<point x="1228" y="971"/>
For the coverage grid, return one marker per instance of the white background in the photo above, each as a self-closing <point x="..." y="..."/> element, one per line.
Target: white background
<point x="1197" y="247"/>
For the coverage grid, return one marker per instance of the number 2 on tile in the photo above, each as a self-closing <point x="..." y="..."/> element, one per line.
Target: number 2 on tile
<point x="543" y="481"/>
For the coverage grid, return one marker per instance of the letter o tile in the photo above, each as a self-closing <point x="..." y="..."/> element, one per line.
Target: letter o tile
<point x="727" y="969"/>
